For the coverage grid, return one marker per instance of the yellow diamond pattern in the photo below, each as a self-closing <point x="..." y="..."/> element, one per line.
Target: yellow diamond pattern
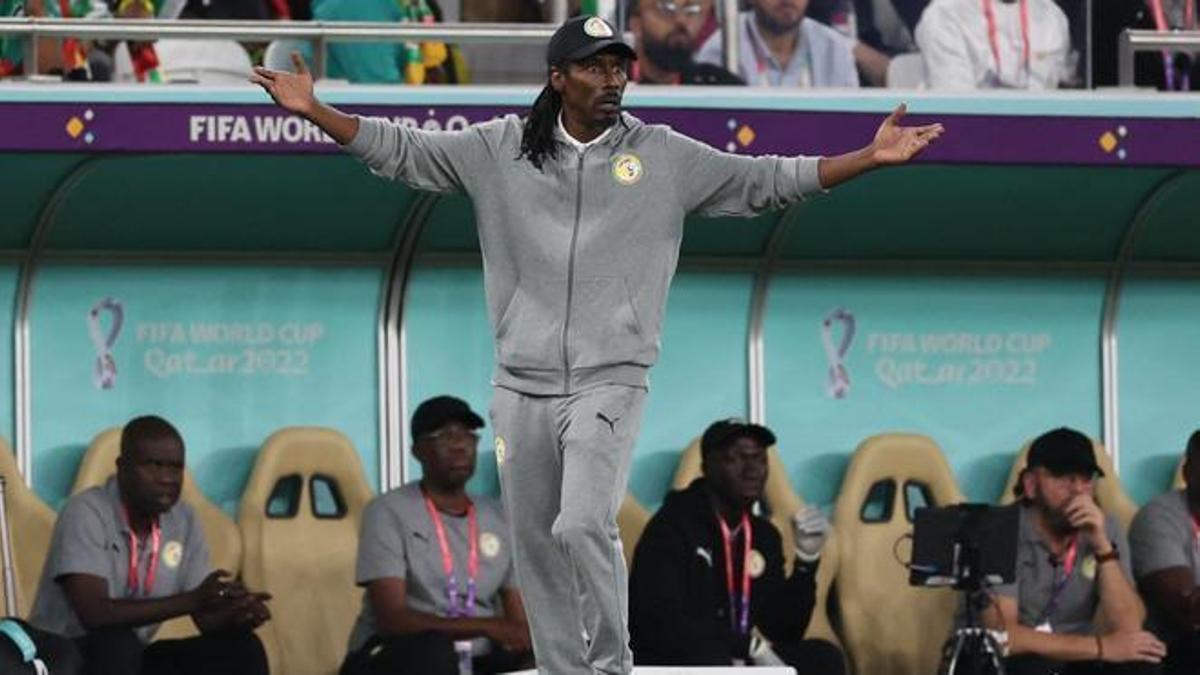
<point x="745" y="135"/>
<point x="74" y="127"/>
<point x="1108" y="142"/>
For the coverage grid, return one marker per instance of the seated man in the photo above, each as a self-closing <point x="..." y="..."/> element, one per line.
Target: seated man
<point x="128" y="555"/>
<point x="778" y="46"/>
<point x="665" y="32"/>
<point x="437" y="564"/>
<point x="1073" y="608"/>
<point x="708" y="582"/>
<point x="1164" y="541"/>
<point x="995" y="44"/>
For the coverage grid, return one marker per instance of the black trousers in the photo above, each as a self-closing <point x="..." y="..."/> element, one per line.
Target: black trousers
<point x="118" y="651"/>
<point x="817" y="657"/>
<point x="429" y="653"/>
<point x="1183" y="656"/>
<point x="1035" y="665"/>
<point x="58" y="653"/>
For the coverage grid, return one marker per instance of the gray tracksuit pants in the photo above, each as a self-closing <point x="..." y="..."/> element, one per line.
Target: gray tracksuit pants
<point x="564" y="465"/>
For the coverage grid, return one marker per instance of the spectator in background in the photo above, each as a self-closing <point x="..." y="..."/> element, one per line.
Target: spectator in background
<point x="709" y="586"/>
<point x="1166" y="562"/>
<point x="69" y="58"/>
<point x="778" y="46"/>
<point x="664" y="33"/>
<point x="387" y="62"/>
<point x="995" y="44"/>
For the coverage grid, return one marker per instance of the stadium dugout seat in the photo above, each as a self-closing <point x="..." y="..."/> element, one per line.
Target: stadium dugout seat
<point x="30" y="524"/>
<point x="224" y="539"/>
<point x="1110" y="495"/>
<point x="1177" y="482"/>
<point x="631" y="522"/>
<point x="300" y="516"/>
<point x="889" y="627"/>
<point x="781" y="501"/>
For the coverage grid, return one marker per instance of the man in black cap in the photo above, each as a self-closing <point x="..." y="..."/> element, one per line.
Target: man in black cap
<point x="1073" y="608"/>
<point x="709" y="587"/>
<point x="437" y="564"/>
<point x="579" y="208"/>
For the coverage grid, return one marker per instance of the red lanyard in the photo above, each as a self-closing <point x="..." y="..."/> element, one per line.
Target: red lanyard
<point x="467" y="607"/>
<point x="739" y="617"/>
<point x="994" y="33"/>
<point x="131" y="582"/>
<point x="1160" y="15"/>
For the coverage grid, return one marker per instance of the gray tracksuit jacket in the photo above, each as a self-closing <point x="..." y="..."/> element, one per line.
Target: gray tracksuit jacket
<point x="578" y="257"/>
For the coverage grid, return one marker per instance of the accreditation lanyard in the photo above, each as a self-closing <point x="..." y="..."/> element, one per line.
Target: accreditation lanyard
<point x="467" y="607"/>
<point x="739" y="617"/>
<point x="1160" y="22"/>
<point x="994" y="35"/>
<point x="131" y="582"/>
<point x="1060" y="583"/>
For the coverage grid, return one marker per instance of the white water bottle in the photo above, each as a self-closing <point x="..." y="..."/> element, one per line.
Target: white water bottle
<point x="463" y="649"/>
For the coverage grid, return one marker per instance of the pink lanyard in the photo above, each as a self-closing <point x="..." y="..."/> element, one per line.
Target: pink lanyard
<point x="994" y="34"/>
<point x="467" y="608"/>
<point x="739" y="617"/>
<point x="1160" y="22"/>
<point x="131" y="582"/>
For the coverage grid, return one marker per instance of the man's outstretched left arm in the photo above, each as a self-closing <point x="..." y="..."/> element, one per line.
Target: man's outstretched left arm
<point x="893" y="144"/>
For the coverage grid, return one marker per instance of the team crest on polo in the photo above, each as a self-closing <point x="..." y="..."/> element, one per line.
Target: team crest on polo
<point x="501" y="451"/>
<point x="627" y="169"/>
<point x="757" y="564"/>
<point x="597" y="28"/>
<point x="172" y="554"/>
<point x="489" y="545"/>
<point x="1089" y="567"/>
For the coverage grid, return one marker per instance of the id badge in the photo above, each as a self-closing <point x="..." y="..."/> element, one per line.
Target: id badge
<point x="1045" y="627"/>
<point x="463" y="649"/>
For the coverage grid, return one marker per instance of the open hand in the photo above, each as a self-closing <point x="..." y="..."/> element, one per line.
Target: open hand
<point x="1137" y="645"/>
<point x="895" y="144"/>
<point x="291" y="91"/>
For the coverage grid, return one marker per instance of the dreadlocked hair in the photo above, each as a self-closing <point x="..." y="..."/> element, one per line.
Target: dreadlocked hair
<point x="537" y="139"/>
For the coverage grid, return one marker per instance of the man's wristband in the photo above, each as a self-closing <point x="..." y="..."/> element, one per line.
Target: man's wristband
<point x="1113" y="554"/>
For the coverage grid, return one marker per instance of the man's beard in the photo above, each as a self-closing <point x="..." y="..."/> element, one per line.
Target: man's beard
<point x="1055" y="518"/>
<point x="770" y="25"/>
<point x="671" y="59"/>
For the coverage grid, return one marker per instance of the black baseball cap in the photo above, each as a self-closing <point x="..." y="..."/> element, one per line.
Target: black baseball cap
<point x="437" y="411"/>
<point x="581" y="36"/>
<point x="1064" y="452"/>
<point x="720" y="435"/>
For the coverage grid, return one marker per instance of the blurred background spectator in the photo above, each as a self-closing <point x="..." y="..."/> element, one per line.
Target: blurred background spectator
<point x="778" y="46"/>
<point x="665" y="34"/>
<point x="995" y="44"/>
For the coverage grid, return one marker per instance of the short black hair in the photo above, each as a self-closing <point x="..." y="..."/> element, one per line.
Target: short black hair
<point x="147" y="430"/>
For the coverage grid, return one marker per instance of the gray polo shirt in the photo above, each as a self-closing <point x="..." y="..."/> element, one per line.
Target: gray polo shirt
<point x="91" y="537"/>
<point x="398" y="540"/>
<point x="1162" y="537"/>
<point x="1037" y="578"/>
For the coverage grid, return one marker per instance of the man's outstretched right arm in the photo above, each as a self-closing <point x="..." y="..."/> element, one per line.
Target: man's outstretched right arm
<point x="294" y="93"/>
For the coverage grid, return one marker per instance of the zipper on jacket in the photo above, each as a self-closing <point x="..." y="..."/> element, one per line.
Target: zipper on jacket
<point x="571" y="271"/>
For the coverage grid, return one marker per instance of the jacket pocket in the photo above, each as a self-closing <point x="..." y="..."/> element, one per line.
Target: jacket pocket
<point x="529" y="332"/>
<point x="605" y="328"/>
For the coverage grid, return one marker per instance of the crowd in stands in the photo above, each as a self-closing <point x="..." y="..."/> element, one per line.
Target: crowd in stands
<point x="934" y="44"/>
